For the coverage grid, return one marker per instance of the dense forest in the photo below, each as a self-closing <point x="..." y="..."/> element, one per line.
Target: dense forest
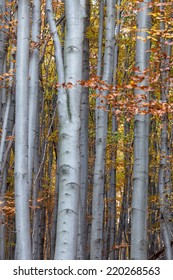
<point x="86" y="129"/>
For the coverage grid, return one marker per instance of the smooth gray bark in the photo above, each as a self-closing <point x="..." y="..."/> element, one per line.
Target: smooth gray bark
<point x="165" y="181"/>
<point x="113" y="180"/>
<point x="153" y="190"/>
<point x="35" y="191"/>
<point x="128" y="188"/>
<point x="82" y="236"/>
<point x="33" y="117"/>
<point x="4" y="129"/>
<point x="2" y="50"/>
<point x="141" y="127"/>
<point x="7" y="110"/>
<point x="164" y="191"/>
<point x="23" y="244"/>
<point x="3" y="165"/>
<point x="33" y="85"/>
<point x="101" y="137"/>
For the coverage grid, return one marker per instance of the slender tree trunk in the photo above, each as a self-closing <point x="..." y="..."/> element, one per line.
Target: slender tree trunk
<point x="33" y="85"/>
<point x="128" y="176"/>
<point x="153" y="190"/>
<point x="165" y="184"/>
<point x="141" y="127"/>
<point x="164" y="191"/>
<point x="35" y="191"/>
<point x="33" y="116"/>
<point x="113" y="181"/>
<point x="112" y="195"/>
<point x="4" y="112"/>
<point x="82" y="238"/>
<point x="3" y="168"/>
<point x="2" y="50"/>
<point x="101" y="135"/>
<point x="99" y="72"/>
<point x="23" y="245"/>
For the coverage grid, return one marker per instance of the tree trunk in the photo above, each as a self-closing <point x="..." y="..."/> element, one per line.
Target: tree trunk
<point x="2" y="50"/>
<point x="165" y="181"/>
<point x="23" y="245"/>
<point x="101" y="135"/>
<point x="33" y="116"/>
<point x="141" y="127"/>
<point x="33" y="86"/>
<point x="82" y="238"/>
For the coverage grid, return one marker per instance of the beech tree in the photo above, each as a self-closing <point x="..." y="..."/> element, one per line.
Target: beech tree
<point x="84" y="115"/>
<point x="101" y="132"/>
<point x="141" y="132"/>
<point x="2" y="48"/>
<point x="33" y="118"/>
<point x="69" y="133"/>
<point x="3" y="125"/>
<point x="165" y="182"/>
<point x="23" y="238"/>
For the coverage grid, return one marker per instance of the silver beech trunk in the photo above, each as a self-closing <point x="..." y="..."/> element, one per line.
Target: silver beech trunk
<point x="2" y="50"/>
<point x="23" y="244"/>
<point x="33" y="86"/>
<point x="101" y="136"/>
<point x="33" y="118"/>
<point x="141" y="131"/>
<point x="82" y="227"/>
<point x="165" y="181"/>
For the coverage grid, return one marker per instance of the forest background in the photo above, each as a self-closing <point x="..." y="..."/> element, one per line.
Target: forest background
<point x="86" y="129"/>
